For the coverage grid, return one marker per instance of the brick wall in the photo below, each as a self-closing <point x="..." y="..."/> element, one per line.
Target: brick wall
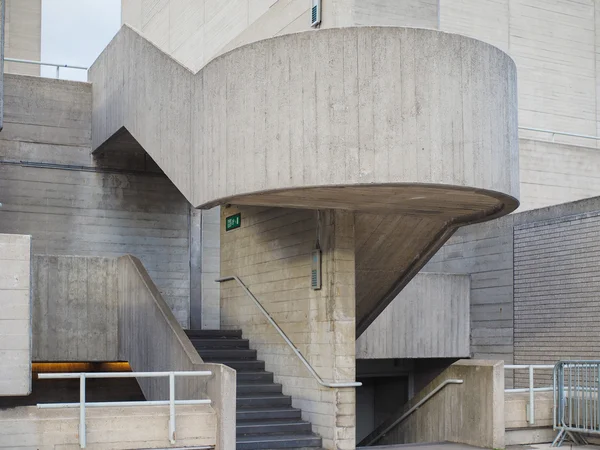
<point x="271" y="253"/>
<point x="557" y="279"/>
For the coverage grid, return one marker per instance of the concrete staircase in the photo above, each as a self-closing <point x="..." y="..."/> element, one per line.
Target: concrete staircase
<point x="265" y="417"/>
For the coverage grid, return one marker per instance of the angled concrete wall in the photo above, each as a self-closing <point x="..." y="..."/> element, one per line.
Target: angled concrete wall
<point x="15" y="317"/>
<point x="428" y="319"/>
<point x="478" y="402"/>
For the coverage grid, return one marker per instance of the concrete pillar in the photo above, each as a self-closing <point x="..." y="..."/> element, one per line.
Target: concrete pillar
<point x="271" y="253"/>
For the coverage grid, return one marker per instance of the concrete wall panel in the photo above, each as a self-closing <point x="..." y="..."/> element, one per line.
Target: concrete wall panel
<point x="428" y="319"/>
<point x="15" y="317"/>
<point x="75" y="309"/>
<point x="271" y="253"/>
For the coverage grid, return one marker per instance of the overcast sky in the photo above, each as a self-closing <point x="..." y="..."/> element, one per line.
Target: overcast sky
<point x="75" y="32"/>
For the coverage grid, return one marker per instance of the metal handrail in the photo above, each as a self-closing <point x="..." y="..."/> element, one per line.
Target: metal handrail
<point x="349" y="384"/>
<point x="83" y="404"/>
<point x="41" y="63"/>
<point x="531" y="389"/>
<point x="560" y="133"/>
<point x="408" y="413"/>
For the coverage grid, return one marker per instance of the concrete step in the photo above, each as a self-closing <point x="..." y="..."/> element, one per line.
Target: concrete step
<point x="273" y="427"/>
<point x="257" y="388"/>
<point x="305" y="440"/>
<point x="249" y="377"/>
<point x="217" y="343"/>
<point x="254" y="414"/>
<point x="253" y="366"/>
<point x="227" y="354"/>
<point x="263" y="401"/>
<point x="224" y="334"/>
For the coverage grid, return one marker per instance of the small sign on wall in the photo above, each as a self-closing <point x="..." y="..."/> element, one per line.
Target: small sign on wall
<point x="233" y="222"/>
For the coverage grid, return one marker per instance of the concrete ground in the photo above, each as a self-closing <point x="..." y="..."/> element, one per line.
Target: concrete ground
<point x="565" y="445"/>
<point x="451" y="446"/>
<point x="432" y="446"/>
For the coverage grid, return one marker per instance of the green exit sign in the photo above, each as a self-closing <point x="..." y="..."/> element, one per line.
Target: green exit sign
<point x="233" y="222"/>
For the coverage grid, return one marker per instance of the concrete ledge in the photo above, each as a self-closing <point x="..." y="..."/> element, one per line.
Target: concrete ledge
<point x="107" y="428"/>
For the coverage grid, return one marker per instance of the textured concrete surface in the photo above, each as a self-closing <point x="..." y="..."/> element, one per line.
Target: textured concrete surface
<point x="478" y="402"/>
<point x="515" y="410"/>
<point x="23" y="35"/>
<point x="350" y="160"/>
<point x="271" y="253"/>
<point x="75" y="309"/>
<point x="209" y="169"/>
<point x="518" y="429"/>
<point x="72" y="204"/>
<point x="107" y="428"/>
<point x="15" y="317"/>
<point x="194" y="32"/>
<point x="151" y="339"/>
<point x="428" y="319"/>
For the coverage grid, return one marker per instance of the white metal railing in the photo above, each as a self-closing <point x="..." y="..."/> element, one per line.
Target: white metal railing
<point x="348" y="384"/>
<point x="41" y="63"/>
<point x="408" y="413"/>
<point x="560" y="133"/>
<point x="531" y="389"/>
<point x="82" y="405"/>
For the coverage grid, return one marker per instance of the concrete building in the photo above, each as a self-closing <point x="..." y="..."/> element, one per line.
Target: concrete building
<point x="23" y="35"/>
<point x="315" y="160"/>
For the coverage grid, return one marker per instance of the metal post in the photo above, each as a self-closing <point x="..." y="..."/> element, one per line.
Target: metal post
<point x="57" y="72"/>
<point x="172" y="407"/>
<point x="531" y="398"/>
<point x="82" y="438"/>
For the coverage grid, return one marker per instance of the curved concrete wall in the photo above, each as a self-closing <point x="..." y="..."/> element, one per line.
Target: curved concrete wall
<point x="357" y="107"/>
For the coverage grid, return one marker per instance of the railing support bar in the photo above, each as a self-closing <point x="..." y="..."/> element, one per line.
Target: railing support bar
<point x="531" y="398"/>
<point x="82" y="431"/>
<point x="312" y="371"/>
<point x="172" y="407"/>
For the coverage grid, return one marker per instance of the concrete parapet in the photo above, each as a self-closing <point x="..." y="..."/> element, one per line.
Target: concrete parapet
<point x="151" y="339"/>
<point x="471" y="413"/>
<point x="114" y="428"/>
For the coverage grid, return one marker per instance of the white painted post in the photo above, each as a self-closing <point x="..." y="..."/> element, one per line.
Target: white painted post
<point x="82" y="437"/>
<point x="172" y="407"/>
<point x="531" y="397"/>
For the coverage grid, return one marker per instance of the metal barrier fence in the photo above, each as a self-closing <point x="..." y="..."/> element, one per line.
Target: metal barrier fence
<point x="82" y="405"/>
<point x="576" y="405"/>
<point x="530" y="389"/>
